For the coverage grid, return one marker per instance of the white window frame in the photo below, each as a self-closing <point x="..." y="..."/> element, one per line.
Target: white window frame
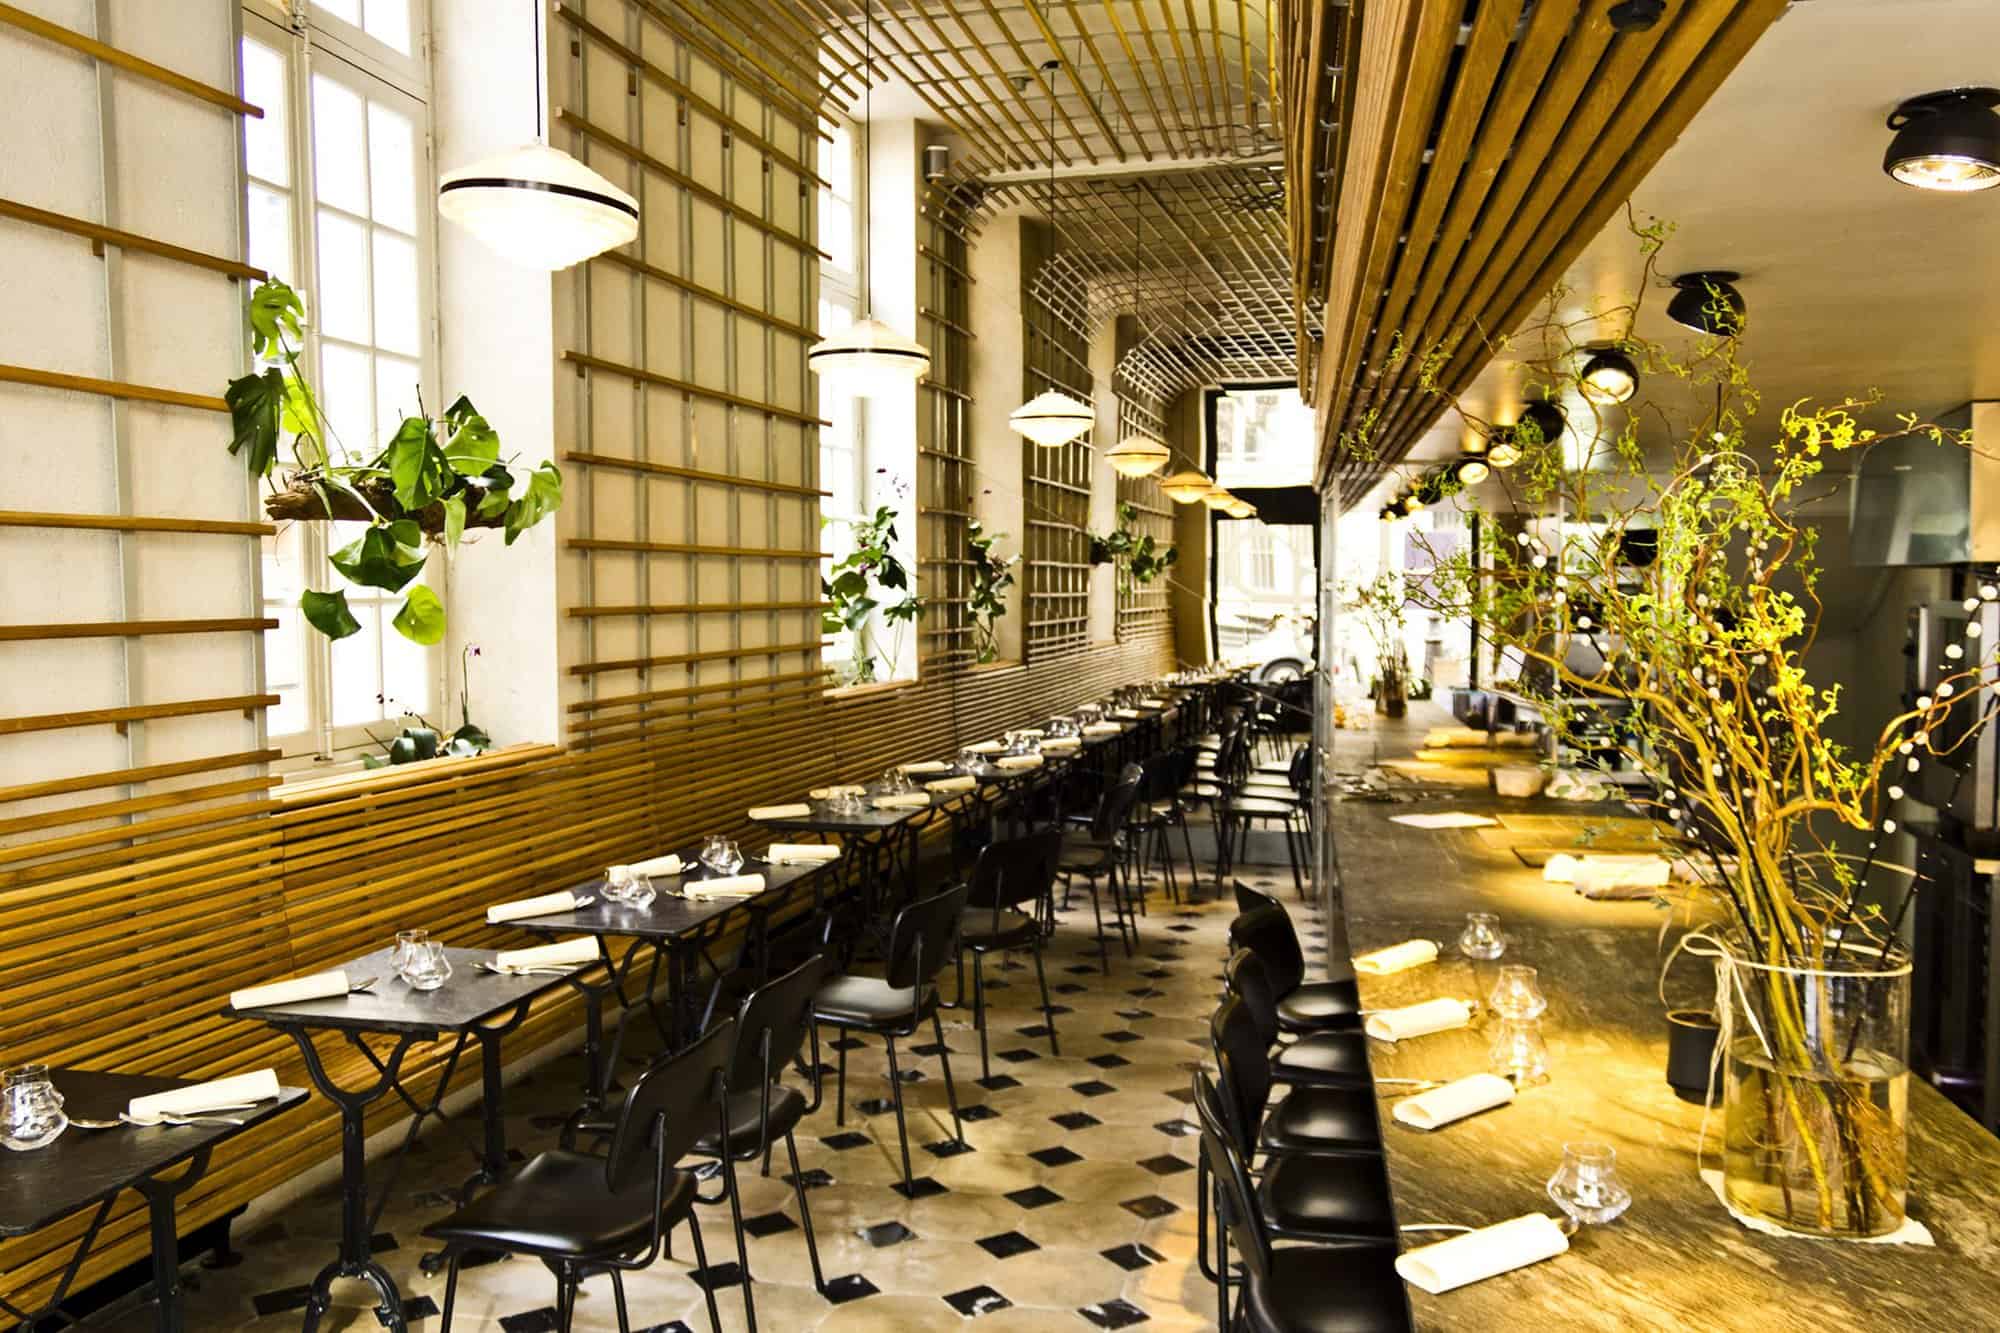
<point x="314" y="42"/>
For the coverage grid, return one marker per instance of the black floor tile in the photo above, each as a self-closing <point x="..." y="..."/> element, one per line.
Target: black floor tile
<point x="1150" y="1206"/>
<point x="845" y="1140"/>
<point x="875" y="1106"/>
<point x="1109" y="1060"/>
<point x="974" y="1301"/>
<point x="281" y="1300"/>
<point x="1056" y="1156"/>
<point x="715" y="1277"/>
<point x="1007" y="1244"/>
<point x="923" y="1187"/>
<point x="530" y="1321"/>
<point x="884" y="1234"/>
<point x="1122" y="1037"/>
<point x="769" y="1224"/>
<point x="1018" y="1055"/>
<point x="1075" y="1120"/>
<point x="813" y="1178"/>
<point x="1130" y="1257"/>
<point x="1091" y="1088"/>
<point x="1034" y="1196"/>
<point x="998" y="1082"/>
<point x="1177" y="1129"/>
<point x="1166" y="1164"/>
<point x="853" y="1287"/>
<point x="973" y="1114"/>
<point x="1115" y="1314"/>
<point x="949" y="1148"/>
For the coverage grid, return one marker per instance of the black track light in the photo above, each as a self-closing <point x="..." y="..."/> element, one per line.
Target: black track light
<point x="1947" y="141"/>
<point x="1547" y="418"/>
<point x="1707" y="302"/>
<point x="1608" y="377"/>
<point x="1635" y="15"/>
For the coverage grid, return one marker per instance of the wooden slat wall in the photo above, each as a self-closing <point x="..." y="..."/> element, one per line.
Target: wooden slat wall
<point x="1056" y="524"/>
<point x="946" y="480"/>
<point x="1143" y="609"/>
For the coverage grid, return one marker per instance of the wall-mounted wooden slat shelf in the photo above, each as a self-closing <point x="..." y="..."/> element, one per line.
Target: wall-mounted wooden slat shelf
<point x="85" y="814"/>
<point x="99" y="234"/>
<point x="130" y="776"/>
<point x="651" y="696"/>
<point x="688" y="473"/>
<point x="19" y="518"/>
<point x="125" y="60"/>
<point x="242" y="703"/>
<point x="588" y="362"/>
<point x="945" y="264"/>
<point x="684" y="548"/>
<point x="683" y="659"/>
<point x="145" y="393"/>
<point x="694" y="609"/>
<point x="118" y="629"/>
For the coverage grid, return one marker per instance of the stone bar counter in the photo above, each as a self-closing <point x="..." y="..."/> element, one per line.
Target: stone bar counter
<point x="1676" y="1260"/>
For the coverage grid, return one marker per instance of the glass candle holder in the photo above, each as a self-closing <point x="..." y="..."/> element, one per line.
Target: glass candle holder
<point x="1518" y="993"/>
<point x="31" y="1110"/>
<point x="1586" y="1185"/>
<point x="1481" y="937"/>
<point x="622" y="884"/>
<point x="1519" y="1053"/>
<point x="722" y="855"/>
<point x="406" y="942"/>
<point x="424" y="966"/>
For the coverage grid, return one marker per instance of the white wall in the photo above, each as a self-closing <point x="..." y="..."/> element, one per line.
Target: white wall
<point x="1103" y="481"/>
<point x="995" y="307"/>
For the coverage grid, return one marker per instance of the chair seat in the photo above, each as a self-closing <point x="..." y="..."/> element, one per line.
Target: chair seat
<point x="1329" y="1289"/>
<point x="1081" y="856"/>
<point x="1323" y="1059"/>
<point x="1335" y="1195"/>
<point x="558" y="1204"/>
<point x="1260" y="790"/>
<point x="1315" y="1119"/>
<point x="788" y="1107"/>
<point x="1260" y="807"/>
<point x="1320" y="1004"/>
<point x="870" y="1002"/>
<point x="979" y="928"/>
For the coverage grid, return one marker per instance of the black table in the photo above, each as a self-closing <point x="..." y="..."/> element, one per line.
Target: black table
<point x="881" y="844"/>
<point x="473" y="1005"/>
<point x="88" y="1167"/>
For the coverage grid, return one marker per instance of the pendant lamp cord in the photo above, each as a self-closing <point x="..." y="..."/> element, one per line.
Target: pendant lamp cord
<point x="867" y="154"/>
<point x="535" y="53"/>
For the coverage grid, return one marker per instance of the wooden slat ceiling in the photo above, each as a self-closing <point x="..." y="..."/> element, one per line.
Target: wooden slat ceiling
<point x="1442" y="193"/>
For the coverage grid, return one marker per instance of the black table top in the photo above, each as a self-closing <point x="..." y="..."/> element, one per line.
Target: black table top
<point x="824" y="819"/>
<point x="668" y="915"/>
<point x="471" y="997"/>
<point x="87" y="1166"/>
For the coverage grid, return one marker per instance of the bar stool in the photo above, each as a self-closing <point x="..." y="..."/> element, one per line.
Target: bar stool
<point x="1306" y="1119"/>
<point x="1318" y="1060"/>
<point x="1010" y="876"/>
<point x="1302" y="1006"/>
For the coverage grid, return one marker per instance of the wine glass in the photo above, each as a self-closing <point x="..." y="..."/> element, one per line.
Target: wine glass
<point x="424" y="965"/>
<point x="721" y="855"/>
<point x="625" y="885"/>
<point x="1481" y="937"/>
<point x="1586" y="1185"/>
<point x="31" y="1110"/>
<point x="406" y="942"/>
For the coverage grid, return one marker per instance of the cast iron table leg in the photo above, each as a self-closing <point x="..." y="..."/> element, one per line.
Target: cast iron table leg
<point x="159" y="1196"/>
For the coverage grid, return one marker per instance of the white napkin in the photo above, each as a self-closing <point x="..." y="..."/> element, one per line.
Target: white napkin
<point x="903" y="800"/>
<point x="1102" y="729"/>
<point x="546" y="905"/>
<point x="800" y="853"/>
<point x="670" y="864"/>
<point x="1418" y="1020"/>
<point x="563" y="953"/>
<point x="1126" y="712"/>
<point x="926" y="766"/>
<point x="236" y="1090"/>
<point x="1454" y="1101"/>
<point x="1015" y="763"/>
<point x="726" y="886"/>
<point x="1055" y="743"/>
<point x="1487" y="1252"/>
<point x="949" y="785"/>
<point x="1444" y="819"/>
<point x="844" y="789"/>
<point x="1397" y="958"/>
<point x="1035" y="732"/>
<point x="799" y="811"/>
<point x="1152" y="703"/>
<point x="319" y="986"/>
<point x="986" y="747"/>
<point x="1563" y="868"/>
<point x="1627" y="876"/>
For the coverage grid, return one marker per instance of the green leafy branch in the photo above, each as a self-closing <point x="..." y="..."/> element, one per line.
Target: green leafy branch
<point x="1137" y="554"/>
<point x="992" y="575"/>
<point x="870" y="578"/>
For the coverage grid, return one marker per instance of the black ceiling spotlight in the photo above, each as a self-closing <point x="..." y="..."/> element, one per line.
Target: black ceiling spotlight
<point x="1608" y="377"/>
<point x="1502" y="448"/>
<point x="1707" y="302"/>
<point x="1548" y="419"/>
<point x="1471" y="467"/>
<point x="1635" y="15"/>
<point x="1947" y="140"/>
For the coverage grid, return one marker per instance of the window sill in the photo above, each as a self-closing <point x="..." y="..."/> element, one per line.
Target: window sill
<point x="1005" y="664"/>
<point x="350" y="778"/>
<point x="869" y="690"/>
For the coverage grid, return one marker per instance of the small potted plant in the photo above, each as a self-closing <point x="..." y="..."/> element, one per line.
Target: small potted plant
<point x="992" y="575"/>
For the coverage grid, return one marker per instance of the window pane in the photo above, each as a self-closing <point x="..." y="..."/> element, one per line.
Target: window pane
<point x="339" y="146"/>
<point x="269" y="221"/>
<point x="406" y="669"/>
<point x="388" y="21"/>
<point x="392" y="167"/>
<point x="396" y="319"/>
<point x="357" y="667"/>
<point x="343" y="278"/>
<point x="836" y="163"/>
<point x="285" y="647"/>
<point x="836" y="232"/>
<point x="268" y="152"/>
<point x="347" y="10"/>
<point x="396" y="393"/>
<point x="345" y="392"/>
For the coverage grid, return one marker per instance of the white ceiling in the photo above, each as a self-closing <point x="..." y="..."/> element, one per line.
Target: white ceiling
<point x="1853" y="282"/>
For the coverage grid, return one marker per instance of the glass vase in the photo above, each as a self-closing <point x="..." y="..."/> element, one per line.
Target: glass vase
<point x="31" y="1110"/>
<point x="1816" y="1092"/>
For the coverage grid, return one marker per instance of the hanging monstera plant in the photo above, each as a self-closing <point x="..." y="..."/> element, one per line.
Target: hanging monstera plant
<point x="435" y="478"/>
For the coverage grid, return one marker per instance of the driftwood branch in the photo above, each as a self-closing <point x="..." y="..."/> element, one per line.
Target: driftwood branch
<point x="302" y="500"/>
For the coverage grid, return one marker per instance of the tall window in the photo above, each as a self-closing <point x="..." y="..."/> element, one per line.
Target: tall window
<point x="339" y="177"/>
<point x="841" y="445"/>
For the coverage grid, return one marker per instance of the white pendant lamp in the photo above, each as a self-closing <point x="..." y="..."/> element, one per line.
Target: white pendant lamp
<point x="1184" y="488"/>
<point x="1217" y="498"/>
<point x="1138" y="456"/>
<point x="537" y="205"/>
<point x="1239" y="507"/>
<point x="1052" y="418"/>
<point x="868" y="359"/>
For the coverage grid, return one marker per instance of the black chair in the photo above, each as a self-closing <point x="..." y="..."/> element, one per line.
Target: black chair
<point x="1160" y="812"/>
<point x="1106" y="853"/>
<point x="1318" y="1060"/>
<point x="1341" y="1288"/>
<point x="1010" y="897"/>
<point x="582" y="1215"/>
<point x="896" y="1004"/>
<point x="1309" y="1119"/>
<point x="1239" y="808"/>
<point x="773" y="1029"/>
<point x="1303" y="1006"/>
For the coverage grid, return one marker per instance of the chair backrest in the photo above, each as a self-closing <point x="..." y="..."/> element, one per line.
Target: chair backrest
<point x="1014" y="872"/>
<point x="1116" y="807"/>
<point x="1235" y="1197"/>
<point x="1267" y="932"/>
<point x="1249" y="899"/>
<point x="1299" y="775"/>
<point x="920" y="941"/>
<point x="1162" y="776"/>
<point x="1249" y="981"/>
<point x="682" y="1097"/>
<point x="1244" y="1062"/>
<point x="773" y="1025"/>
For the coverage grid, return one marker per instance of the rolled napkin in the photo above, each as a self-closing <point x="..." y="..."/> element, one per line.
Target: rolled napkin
<point x="670" y="864"/>
<point x="844" y="789"/>
<point x="903" y="800"/>
<point x="950" y="785"/>
<point x="797" y="811"/>
<point x="1035" y="732"/>
<point x="1418" y="1020"/>
<point x="236" y="1090"/>
<point x="319" y="986"/>
<point x="800" y="853"/>
<point x="1103" y="729"/>
<point x="563" y="953"/>
<point x="1397" y="958"/>
<point x="727" y="886"/>
<point x="1063" y="743"/>
<point x="1620" y="876"/>
<point x="1152" y="703"/>
<point x="546" y="905"/>
<point x="926" y="766"/>
<point x="1015" y="763"/>
<point x="986" y="747"/>
<point x="1487" y="1252"/>
<point x="1126" y="713"/>
<point x="1454" y="1101"/>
